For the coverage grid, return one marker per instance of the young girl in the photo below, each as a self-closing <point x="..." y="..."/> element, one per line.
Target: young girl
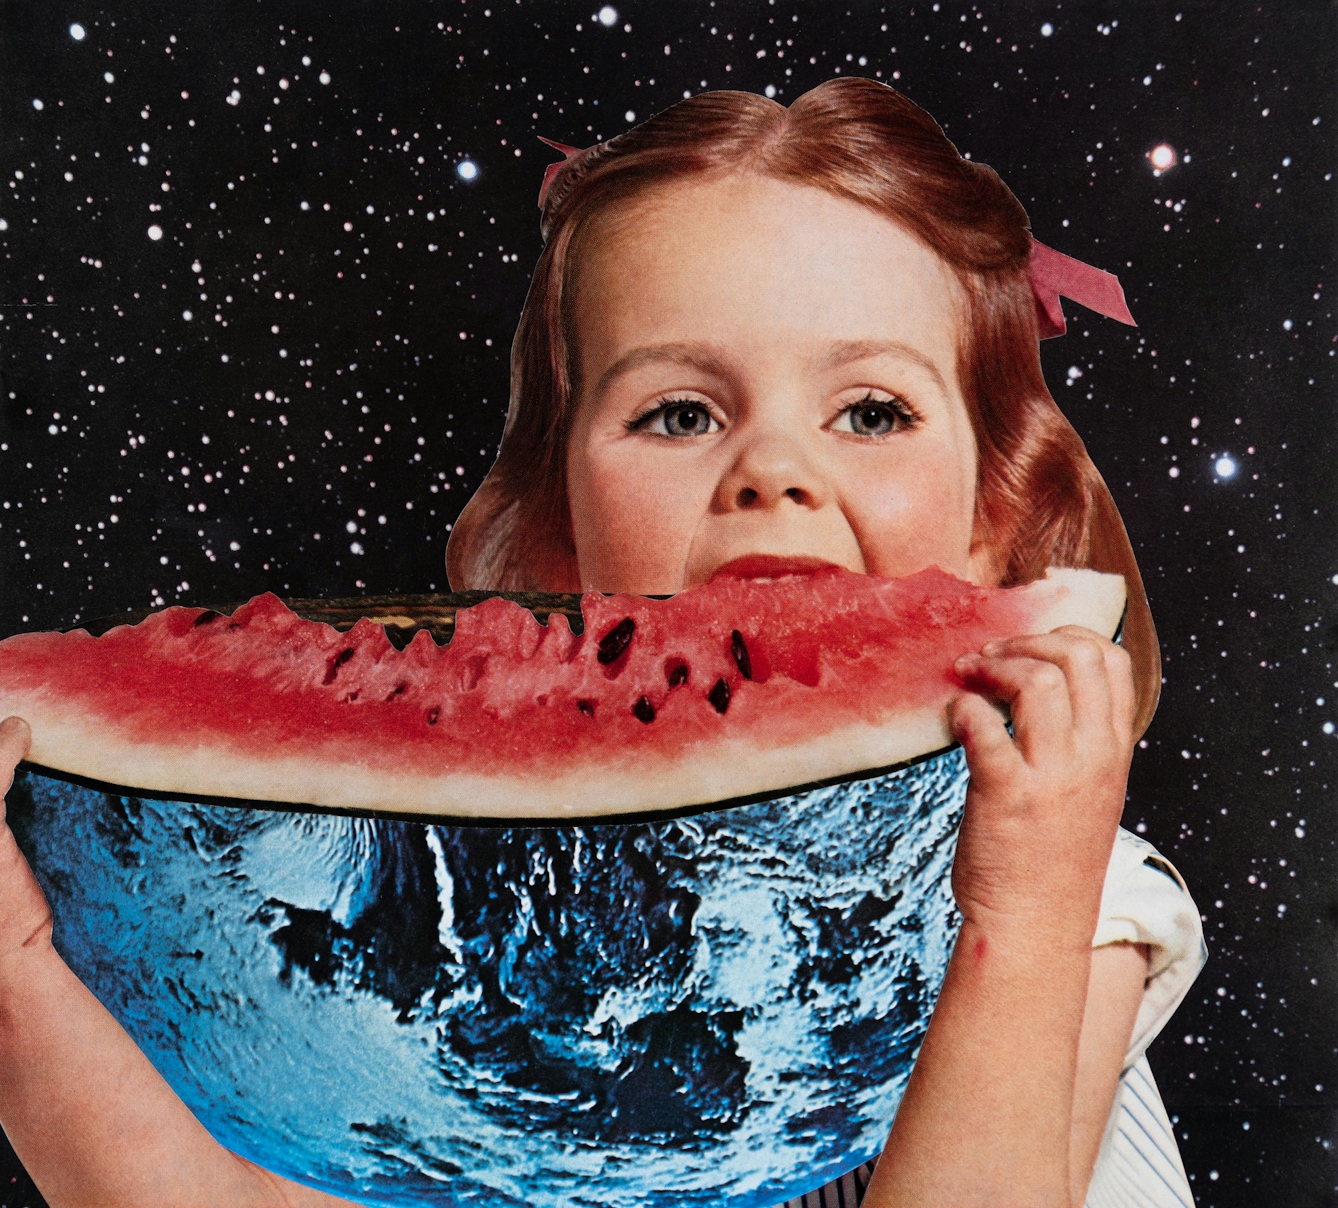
<point x="762" y="340"/>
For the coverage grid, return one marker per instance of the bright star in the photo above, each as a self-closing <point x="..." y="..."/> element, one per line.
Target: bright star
<point x="1162" y="157"/>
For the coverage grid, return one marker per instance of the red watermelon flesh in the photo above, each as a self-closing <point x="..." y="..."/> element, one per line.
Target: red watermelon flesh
<point x="729" y="689"/>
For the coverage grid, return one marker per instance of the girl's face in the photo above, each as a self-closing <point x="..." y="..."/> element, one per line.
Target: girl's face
<point x="766" y="380"/>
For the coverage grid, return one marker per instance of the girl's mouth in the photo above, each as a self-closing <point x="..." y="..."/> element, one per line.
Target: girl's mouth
<point x="772" y="566"/>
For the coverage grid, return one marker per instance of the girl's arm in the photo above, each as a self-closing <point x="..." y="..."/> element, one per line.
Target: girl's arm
<point x="1114" y="994"/>
<point x="87" y="1114"/>
<point x="996" y="1113"/>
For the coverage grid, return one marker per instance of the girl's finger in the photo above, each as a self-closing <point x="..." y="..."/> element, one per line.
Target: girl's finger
<point x="980" y="728"/>
<point x="1036" y="691"/>
<point x="15" y="741"/>
<point x="1123" y="694"/>
<point x="1081" y="655"/>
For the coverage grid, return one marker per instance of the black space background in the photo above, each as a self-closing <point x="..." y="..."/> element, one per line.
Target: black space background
<point x="267" y="420"/>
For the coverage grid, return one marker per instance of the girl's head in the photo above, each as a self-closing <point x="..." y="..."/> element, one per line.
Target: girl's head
<point x="761" y="335"/>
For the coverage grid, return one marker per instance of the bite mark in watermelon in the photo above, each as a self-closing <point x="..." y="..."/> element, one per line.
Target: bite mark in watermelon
<point x="726" y="690"/>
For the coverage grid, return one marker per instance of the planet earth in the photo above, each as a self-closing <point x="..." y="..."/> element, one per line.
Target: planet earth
<point x="717" y="1009"/>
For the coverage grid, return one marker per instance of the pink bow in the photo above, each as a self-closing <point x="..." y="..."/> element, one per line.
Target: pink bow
<point x="553" y="169"/>
<point x="1052" y="273"/>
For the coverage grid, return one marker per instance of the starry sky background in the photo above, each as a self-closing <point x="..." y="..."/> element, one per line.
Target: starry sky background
<point x="297" y="383"/>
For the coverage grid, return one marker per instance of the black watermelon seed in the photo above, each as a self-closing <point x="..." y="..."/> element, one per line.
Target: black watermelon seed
<point x="335" y="663"/>
<point x="644" y="710"/>
<point x="432" y="715"/>
<point x="206" y="617"/>
<point x="613" y="643"/>
<point x="719" y="696"/>
<point x="587" y="707"/>
<point x="678" y="674"/>
<point x="396" y="691"/>
<point x="739" y="649"/>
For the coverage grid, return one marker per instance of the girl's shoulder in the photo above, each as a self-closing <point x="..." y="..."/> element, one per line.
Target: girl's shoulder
<point x="1131" y="852"/>
<point x="1145" y="901"/>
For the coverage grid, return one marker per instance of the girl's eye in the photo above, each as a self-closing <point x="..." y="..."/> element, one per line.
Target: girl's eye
<point x="869" y="417"/>
<point x="679" y="419"/>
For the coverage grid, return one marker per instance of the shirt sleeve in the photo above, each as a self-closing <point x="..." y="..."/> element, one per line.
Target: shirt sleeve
<point x="1145" y="901"/>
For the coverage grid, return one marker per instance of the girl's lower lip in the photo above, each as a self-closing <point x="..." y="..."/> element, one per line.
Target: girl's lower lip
<point x="770" y="566"/>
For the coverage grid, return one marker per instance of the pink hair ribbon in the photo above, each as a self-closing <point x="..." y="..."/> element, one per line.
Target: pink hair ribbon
<point x="1052" y="273"/>
<point x="552" y="170"/>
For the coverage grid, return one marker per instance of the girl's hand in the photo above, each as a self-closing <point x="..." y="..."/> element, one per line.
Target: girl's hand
<point x="1044" y="803"/>
<point x="25" y="917"/>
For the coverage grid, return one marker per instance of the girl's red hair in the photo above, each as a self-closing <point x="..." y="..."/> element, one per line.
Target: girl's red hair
<point x="1039" y="497"/>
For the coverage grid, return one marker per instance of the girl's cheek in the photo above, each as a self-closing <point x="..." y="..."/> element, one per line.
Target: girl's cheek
<point x="911" y="521"/>
<point x="634" y="525"/>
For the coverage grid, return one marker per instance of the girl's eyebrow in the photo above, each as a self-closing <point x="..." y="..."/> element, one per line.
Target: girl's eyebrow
<point x="708" y="360"/>
<point x="847" y="352"/>
<point x="694" y="356"/>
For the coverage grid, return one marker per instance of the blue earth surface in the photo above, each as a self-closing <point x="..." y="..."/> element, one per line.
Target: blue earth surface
<point x="720" y="1009"/>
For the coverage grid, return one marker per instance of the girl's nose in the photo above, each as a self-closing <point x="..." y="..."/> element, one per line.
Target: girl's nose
<point x="769" y="472"/>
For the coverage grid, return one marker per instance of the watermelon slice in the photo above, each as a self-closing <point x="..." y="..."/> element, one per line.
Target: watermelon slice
<point x="725" y="691"/>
